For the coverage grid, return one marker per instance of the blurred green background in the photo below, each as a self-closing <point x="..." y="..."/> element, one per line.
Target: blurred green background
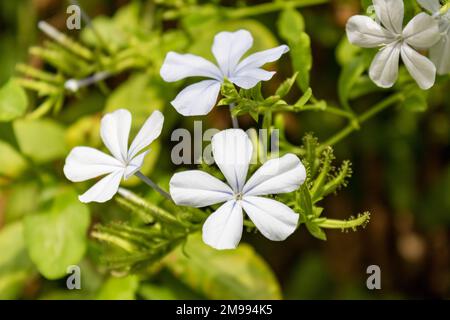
<point x="400" y="163"/>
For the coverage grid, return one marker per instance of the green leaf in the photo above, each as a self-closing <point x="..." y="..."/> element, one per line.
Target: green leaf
<point x="301" y="59"/>
<point x="16" y="208"/>
<point x="12" y="162"/>
<point x="316" y="231"/>
<point x="208" y="271"/>
<point x="15" y="265"/>
<point x="286" y="86"/>
<point x="42" y="139"/>
<point x="345" y="51"/>
<point x="57" y="238"/>
<point x="119" y="288"/>
<point x="348" y="77"/>
<point x="415" y="100"/>
<point x="291" y="27"/>
<point x="13" y="101"/>
<point x="305" y="201"/>
<point x="290" y="24"/>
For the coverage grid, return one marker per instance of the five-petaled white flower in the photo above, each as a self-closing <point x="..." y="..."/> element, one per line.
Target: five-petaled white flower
<point x="228" y="49"/>
<point x="421" y="32"/>
<point x="85" y="163"/>
<point x="232" y="150"/>
<point x="440" y="52"/>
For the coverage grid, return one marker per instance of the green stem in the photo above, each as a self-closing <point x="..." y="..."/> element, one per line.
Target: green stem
<point x="153" y="185"/>
<point x="270" y="7"/>
<point x="361" y="220"/>
<point x="354" y="125"/>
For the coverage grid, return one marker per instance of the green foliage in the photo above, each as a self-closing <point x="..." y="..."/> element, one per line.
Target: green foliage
<point x="123" y="288"/>
<point x="153" y="245"/>
<point x="13" y="101"/>
<point x="208" y="271"/>
<point x="56" y="237"/>
<point x="41" y="140"/>
<point x="15" y="266"/>
<point x="291" y="27"/>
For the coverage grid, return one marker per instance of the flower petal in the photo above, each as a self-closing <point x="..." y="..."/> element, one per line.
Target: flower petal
<point x="422" y="31"/>
<point x="198" y="189"/>
<point x="197" y="99"/>
<point x="149" y="132"/>
<point x="103" y="190"/>
<point x="114" y="130"/>
<point x="419" y="66"/>
<point x="135" y="164"/>
<point x="275" y="220"/>
<point x="440" y="54"/>
<point x="431" y="5"/>
<point x="390" y="13"/>
<point x="248" y="78"/>
<point x="84" y="163"/>
<point x="180" y="66"/>
<point x="232" y="150"/>
<point x="384" y="68"/>
<point x="366" y="33"/>
<point x="223" y="228"/>
<point x="279" y="175"/>
<point x="229" y="47"/>
<point x="260" y="58"/>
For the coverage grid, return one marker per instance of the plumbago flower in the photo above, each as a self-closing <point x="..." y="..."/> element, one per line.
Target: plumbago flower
<point x="228" y="49"/>
<point x="232" y="150"/>
<point x="84" y="163"/>
<point x="421" y="32"/>
<point x="440" y="52"/>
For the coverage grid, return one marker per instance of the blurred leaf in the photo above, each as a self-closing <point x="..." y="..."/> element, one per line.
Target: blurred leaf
<point x="13" y="101"/>
<point x="157" y="292"/>
<point x="111" y="34"/>
<point x="291" y="28"/>
<point x="290" y="24"/>
<point x="345" y="51"/>
<point x="56" y="238"/>
<point x="16" y="208"/>
<point x="15" y="266"/>
<point x="119" y="288"/>
<point x="309" y="279"/>
<point x="12" y="162"/>
<point x="208" y="271"/>
<point x="415" y="100"/>
<point x="42" y="140"/>
<point x="348" y="77"/>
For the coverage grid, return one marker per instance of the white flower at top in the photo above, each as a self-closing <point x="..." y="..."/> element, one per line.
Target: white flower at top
<point x="228" y="49"/>
<point x="421" y="32"/>
<point x="84" y="163"/>
<point x="232" y="150"/>
<point x="440" y="52"/>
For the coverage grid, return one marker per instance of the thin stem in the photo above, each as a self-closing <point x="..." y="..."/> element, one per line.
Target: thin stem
<point x="354" y="125"/>
<point x="153" y="185"/>
<point x="234" y="119"/>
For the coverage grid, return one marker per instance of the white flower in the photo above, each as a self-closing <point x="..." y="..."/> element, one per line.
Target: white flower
<point x="232" y="150"/>
<point x="440" y="52"/>
<point x="421" y="32"/>
<point x="228" y="49"/>
<point x="84" y="163"/>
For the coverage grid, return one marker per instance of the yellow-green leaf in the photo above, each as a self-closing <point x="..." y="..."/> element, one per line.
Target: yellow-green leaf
<point x="226" y="274"/>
